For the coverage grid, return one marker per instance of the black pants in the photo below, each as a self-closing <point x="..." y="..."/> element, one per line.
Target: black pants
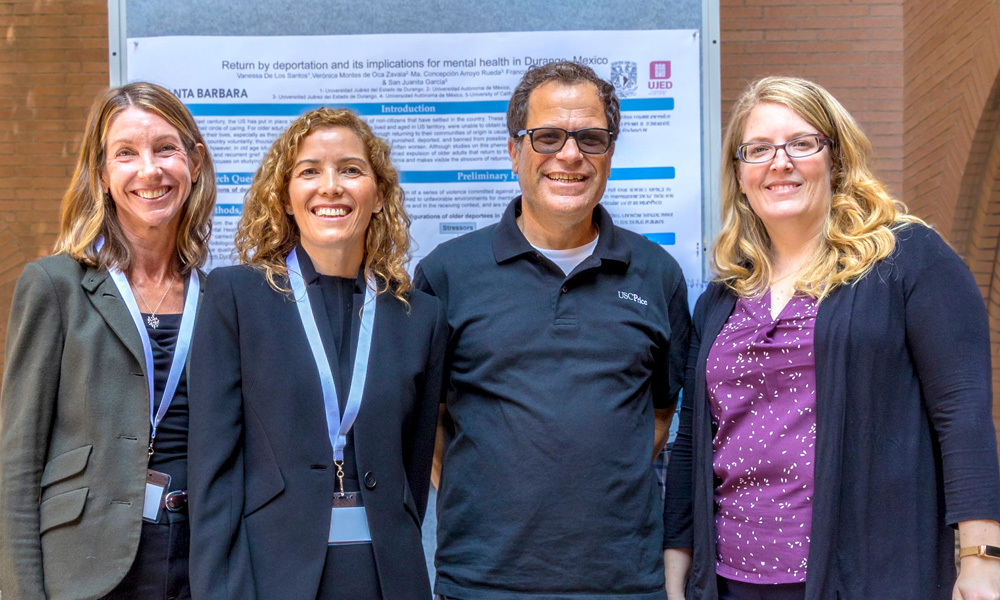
<point x="160" y="568"/>
<point x="349" y="574"/>
<point x="730" y="589"/>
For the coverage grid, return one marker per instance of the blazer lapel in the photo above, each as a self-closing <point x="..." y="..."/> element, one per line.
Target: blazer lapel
<point x="359" y="301"/>
<point x="103" y="294"/>
<point x="201" y="294"/>
<point x="369" y="434"/>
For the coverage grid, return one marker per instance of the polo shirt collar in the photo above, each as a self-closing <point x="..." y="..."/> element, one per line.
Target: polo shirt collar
<point x="509" y="243"/>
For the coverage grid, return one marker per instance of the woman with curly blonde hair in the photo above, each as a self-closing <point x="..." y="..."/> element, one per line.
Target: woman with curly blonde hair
<point x="837" y="417"/>
<point x="265" y="236"/>
<point x="319" y="373"/>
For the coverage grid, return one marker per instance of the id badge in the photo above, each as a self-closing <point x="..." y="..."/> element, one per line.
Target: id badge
<point x="348" y="521"/>
<point x="157" y="485"/>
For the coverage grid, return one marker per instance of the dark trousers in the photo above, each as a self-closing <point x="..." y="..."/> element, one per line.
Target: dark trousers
<point x="730" y="589"/>
<point x="160" y="568"/>
<point x="349" y="574"/>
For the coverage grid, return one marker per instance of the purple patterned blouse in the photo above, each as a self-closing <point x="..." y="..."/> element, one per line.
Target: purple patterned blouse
<point x="761" y="378"/>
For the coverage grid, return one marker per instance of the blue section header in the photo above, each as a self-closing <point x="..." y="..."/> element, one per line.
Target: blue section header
<point x="642" y="173"/>
<point x="505" y="175"/>
<point x="470" y="176"/>
<point x="365" y="109"/>
<point x="233" y="178"/>
<point x="663" y="239"/>
<point x="393" y="108"/>
<point x="228" y="210"/>
<point x="648" y="104"/>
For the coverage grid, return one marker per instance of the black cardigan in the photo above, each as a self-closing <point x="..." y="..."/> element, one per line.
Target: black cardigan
<point x="905" y="439"/>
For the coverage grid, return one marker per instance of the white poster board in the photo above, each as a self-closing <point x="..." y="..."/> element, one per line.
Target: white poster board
<point x="440" y="99"/>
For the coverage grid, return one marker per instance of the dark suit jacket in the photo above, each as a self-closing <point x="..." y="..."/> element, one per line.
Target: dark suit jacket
<point x="260" y="467"/>
<point x="75" y="426"/>
<point x="904" y="436"/>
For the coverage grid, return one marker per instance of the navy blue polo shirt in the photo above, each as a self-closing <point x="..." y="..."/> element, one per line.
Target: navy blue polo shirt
<point x="547" y="488"/>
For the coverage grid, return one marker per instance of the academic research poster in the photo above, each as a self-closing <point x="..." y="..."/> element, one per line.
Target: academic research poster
<point x="441" y="100"/>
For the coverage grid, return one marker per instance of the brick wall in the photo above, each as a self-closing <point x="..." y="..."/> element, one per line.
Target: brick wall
<point x="952" y="60"/>
<point x="854" y="48"/>
<point x="53" y="62"/>
<point x="952" y="136"/>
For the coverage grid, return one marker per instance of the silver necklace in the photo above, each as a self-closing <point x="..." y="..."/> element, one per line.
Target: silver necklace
<point x="152" y="319"/>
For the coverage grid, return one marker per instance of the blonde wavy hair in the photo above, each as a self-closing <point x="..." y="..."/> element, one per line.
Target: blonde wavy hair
<point x="858" y="232"/>
<point x="89" y="212"/>
<point x="267" y="234"/>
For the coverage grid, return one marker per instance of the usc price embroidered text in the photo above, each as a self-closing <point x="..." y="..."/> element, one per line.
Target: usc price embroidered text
<point x="633" y="297"/>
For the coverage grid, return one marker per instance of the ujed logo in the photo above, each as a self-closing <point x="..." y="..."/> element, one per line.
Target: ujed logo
<point x="659" y="75"/>
<point x="625" y="77"/>
<point x="659" y="69"/>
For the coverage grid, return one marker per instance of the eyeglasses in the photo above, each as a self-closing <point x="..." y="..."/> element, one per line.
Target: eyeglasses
<point x="549" y="140"/>
<point x="799" y="147"/>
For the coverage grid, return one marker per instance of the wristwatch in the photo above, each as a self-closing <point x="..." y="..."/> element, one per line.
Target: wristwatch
<point x="983" y="551"/>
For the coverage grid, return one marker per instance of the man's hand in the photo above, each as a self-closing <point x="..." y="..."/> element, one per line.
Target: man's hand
<point x="438" y="448"/>
<point x="661" y="429"/>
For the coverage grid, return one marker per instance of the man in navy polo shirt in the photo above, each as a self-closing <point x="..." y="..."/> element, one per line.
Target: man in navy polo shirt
<point x="569" y="337"/>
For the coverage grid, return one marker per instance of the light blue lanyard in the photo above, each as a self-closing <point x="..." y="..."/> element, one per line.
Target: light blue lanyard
<point x="180" y="350"/>
<point x="337" y="427"/>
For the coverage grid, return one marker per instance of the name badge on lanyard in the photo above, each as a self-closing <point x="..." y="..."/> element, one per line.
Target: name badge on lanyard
<point x="157" y="484"/>
<point x="348" y="521"/>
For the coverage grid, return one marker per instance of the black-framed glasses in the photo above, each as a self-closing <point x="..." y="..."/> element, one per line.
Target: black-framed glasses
<point x="549" y="140"/>
<point x="797" y="147"/>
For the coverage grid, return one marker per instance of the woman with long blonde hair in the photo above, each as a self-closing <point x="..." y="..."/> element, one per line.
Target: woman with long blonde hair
<point x="836" y="422"/>
<point x="93" y="445"/>
<point x="317" y="377"/>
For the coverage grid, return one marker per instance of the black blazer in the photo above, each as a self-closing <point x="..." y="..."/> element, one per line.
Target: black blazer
<point x="260" y="461"/>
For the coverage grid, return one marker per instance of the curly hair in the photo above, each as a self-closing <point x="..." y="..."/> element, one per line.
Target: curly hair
<point x="565" y="73"/>
<point x="858" y="232"/>
<point x="89" y="213"/>
<point x="267" y="234"/>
